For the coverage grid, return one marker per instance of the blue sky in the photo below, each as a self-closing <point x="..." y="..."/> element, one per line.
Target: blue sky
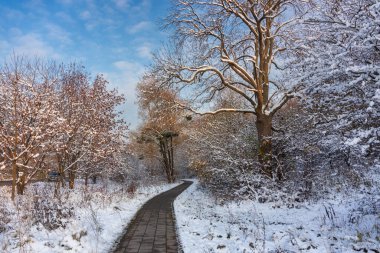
<point x="114" y="37"/>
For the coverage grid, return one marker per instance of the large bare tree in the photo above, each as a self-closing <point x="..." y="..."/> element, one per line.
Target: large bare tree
<point x="233" y="45"/>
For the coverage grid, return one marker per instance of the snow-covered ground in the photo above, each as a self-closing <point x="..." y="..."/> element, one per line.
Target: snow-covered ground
<point x="340" y="224"/>
<point x="78" y="221"/>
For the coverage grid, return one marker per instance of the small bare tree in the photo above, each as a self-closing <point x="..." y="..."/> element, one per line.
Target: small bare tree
<point x="233" y="45"/>
<point x="161" y="120"/>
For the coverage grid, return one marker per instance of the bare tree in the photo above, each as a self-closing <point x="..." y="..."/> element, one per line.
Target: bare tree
<point x="94" y="131"/>
<point x="107" y="130"/>
<point x="28" y="119"/>
<point x="52" y="117"/>
<point x="233" y="45"/>
<point x="161" y="120"/>
<point x="72" y="145"/>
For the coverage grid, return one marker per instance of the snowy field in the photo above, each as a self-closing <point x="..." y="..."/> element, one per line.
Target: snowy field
<point x="78" y="221"/>
<point x="341" y="224"/>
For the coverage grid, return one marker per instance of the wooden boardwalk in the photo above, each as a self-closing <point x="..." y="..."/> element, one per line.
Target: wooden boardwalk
<point x="153" y="228"/>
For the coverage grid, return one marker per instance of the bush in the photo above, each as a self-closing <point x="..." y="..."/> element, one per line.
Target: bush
<point x="51" y="212"/>
<point x="4" y="219"/>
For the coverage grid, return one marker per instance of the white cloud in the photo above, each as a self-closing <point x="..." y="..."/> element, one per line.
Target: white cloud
<point x="64" y="17"/>
<point x="65" y="2"/>
<point x="35" y="3"/>
<point x="31" y="44"/>
<point x="14" y="14"/>
<point x="142" y="7"/>
<point x="90" y="26"/>
<point x="37" y="8"/>
<point x="86" y="15"/>
<point x="4" y="45"/>
<point x="123" y="4"/>
<point x="14" y="32"/>
<point x="126" y="77"/>
<point x="119" y="50"/>
<point x="145" y="51"/>
<point x="130" y="72"/>
<point x="143" y="25"/>
<point x="123" y="65"/>
<point x="125" y="80"/>
<point x="55" y="32"/>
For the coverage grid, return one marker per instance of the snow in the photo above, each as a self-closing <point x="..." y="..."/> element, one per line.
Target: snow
<point x="336" y="224"/>
<point x="353" y="142"/>
<point x="97" y="217"/>
<point x="377" y="95"/>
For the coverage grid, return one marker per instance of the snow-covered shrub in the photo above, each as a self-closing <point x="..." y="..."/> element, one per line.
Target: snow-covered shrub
<point x="313" y="163"/>
<point x="138" y="169"/>
<point x="131" y="190"/>
<point x="4" y="219"/>
<point x="340" y="72"/>
<point x="314" y="160"/>
<point x="50" y="210"/>
<point x="222" y="152"/>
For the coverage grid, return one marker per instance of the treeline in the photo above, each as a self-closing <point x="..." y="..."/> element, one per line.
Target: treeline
<point x="55" y="117"/>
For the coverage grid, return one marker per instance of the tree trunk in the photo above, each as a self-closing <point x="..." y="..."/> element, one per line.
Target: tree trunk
<point x="73" y="170"/>
<point x="264" y="134"/>
<point x="14" y="178"/>
<point x="61" y="172"/>
<point x="86" y="179"/>
<point x="56" y="189"/>
<point x="167" y="158"/>
<point x="71" y="179"/>
<point x="163" y="150"/>
<point x="72" y="176"/>
<point x="171" y="155"/>
<point x="21" y="183"/>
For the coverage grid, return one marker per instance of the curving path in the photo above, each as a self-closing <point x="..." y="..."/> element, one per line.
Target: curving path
<point x="153" y="228"/>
